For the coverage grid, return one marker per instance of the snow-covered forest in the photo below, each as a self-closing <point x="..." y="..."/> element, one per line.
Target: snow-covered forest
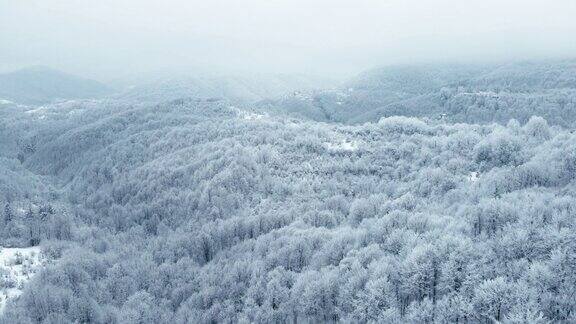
<point x="413" y="194"/>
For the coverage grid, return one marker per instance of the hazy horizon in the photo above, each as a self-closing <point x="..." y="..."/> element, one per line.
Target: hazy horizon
<point x="119" y="40"/>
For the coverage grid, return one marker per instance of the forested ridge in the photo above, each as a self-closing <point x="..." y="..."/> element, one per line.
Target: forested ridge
<point x="204" y="210"/>
<point x="456" y="93"/>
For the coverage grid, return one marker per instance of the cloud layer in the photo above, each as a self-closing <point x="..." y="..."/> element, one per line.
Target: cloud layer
<point x="114" y="38"/>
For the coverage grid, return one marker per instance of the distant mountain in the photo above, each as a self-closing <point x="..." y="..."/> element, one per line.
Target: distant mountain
<point x="488" y="94"/>
<point x="39" y="85"/>
<point x="529" y="76"/>
<point x="460" y="93"/>
<point x="413" y="79"/>
<point x="235" y="88"/>
<point x="370" y="91"/>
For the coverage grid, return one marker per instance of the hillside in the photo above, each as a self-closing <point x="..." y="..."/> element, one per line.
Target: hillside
<point x="458" y="93"/>
<point x="40" y="85"/>
<point x="198" y="211"/>
<point x="236" y="88"/>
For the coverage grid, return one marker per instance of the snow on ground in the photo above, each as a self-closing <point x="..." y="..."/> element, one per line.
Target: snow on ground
<point x="40" y="112"/>
<point x="342" y="145"/>
<point x="252" y="116"/>
<point x="63" y="108"/>
<point x="37" y="110"/>
<point x="17" y="266"/>
<point x="491" y="94"/>
<point x="247" y="115"/>
<point x="303" y="95"/>
<point x="5" y="102"/>
<point x="473" y="176"/>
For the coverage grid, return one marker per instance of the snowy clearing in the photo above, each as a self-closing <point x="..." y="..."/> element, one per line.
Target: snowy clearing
<point x="473" y="176"/>
<point x="342" y="145"/>
<point x="17" y="266"/>
<point x="247" y="115"/>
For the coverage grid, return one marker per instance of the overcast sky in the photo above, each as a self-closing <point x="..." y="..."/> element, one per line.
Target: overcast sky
<point x="109" y="39"/>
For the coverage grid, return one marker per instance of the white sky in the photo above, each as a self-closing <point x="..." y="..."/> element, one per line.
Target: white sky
<point x="114" y="38"/>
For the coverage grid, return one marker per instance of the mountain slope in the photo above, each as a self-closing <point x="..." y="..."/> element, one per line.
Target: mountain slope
<point x="39" y="85"/>
<point x="197" y="211"/>
<point x="461" y="93"/>
<point x="235" y="88"/>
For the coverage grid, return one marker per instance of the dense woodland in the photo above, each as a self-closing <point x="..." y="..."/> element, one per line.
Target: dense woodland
<point x="201" y="210"/>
